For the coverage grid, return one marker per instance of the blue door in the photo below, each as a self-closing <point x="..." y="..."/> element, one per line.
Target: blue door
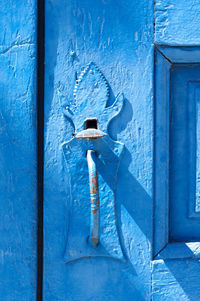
<point x="113" y="211"/>
<point x="98" y="83"/>
<point x="122" y="154"/>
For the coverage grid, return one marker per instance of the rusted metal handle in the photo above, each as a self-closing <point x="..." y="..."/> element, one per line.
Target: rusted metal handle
<point x="90" y="134"/>
<point x="94" y="199"/>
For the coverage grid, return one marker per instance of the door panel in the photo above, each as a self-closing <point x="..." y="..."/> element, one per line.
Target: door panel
<point x="117" y="37"/>
<point x="184" y="153"/>
<point x="176" y="219"/>
<point x="176" y="264"/>
<point x="18" y="181"/>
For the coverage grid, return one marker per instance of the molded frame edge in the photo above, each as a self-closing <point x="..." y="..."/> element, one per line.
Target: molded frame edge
<point x="165" y="57"/>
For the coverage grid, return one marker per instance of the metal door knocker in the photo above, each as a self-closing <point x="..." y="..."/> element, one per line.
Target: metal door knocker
<point x="92" y="229"/>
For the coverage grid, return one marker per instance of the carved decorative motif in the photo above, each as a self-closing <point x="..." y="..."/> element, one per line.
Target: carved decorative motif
<point x="91" y="95"/>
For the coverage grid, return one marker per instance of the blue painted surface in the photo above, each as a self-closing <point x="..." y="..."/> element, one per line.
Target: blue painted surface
<point x="180" y="54"/>
<point x="184" y="157"/>
<point x="118" y="37"/>
<point x="109" y="153"/>
<point x="91" y="95"/>
<point x="177" y="22"/>
<point x="18" y="182"/>
<point x="176" y="217"/>
<point x="161" y="152"/>
<point x="176" y="280"/>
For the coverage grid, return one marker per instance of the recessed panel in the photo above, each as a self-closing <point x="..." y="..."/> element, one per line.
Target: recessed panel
<point x="184" y="153"/>
<point x="197" y="99"/>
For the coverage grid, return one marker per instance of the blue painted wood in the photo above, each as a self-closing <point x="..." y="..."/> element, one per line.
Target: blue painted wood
<point x="180" y="54"/>
<point x="18" y="183"/>
<point x="184" y="141"/>
<point x="180" y="250"/>
<point x="118" y="37"/>
<point x="108" y="159"/>
<point x="177" y="22"/>
<point x="194" y="87"/>
<point x="91" y="95"/>
<point x="161" y="152"/>
<point x="175" y="265"/>
<point x="176" y="280"/>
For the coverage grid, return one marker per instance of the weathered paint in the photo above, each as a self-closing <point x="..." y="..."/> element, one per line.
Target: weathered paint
<point x="177" y="22"/>
<point x="94" y="199"/>
<point x="176" y="280"/>
<point x="18" y="182"/>
<point x="91" y="98"/>
<point x="118" y="37"/>
<point x="107" y="163"/>
<point x="90" y="134"/>
<point x="90" y="101"/>
<point x="175" y="263"/>
<point x="176" y="267"/>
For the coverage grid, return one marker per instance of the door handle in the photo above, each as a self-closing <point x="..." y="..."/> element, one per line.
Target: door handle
<point x="92" y="153"/>
<point x="94" y="199"/>
<point x="90" y="134"/>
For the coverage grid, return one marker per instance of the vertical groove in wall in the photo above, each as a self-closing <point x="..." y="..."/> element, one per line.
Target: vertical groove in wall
<point x="154" y="133"/>
<point x="40" y="138"/>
